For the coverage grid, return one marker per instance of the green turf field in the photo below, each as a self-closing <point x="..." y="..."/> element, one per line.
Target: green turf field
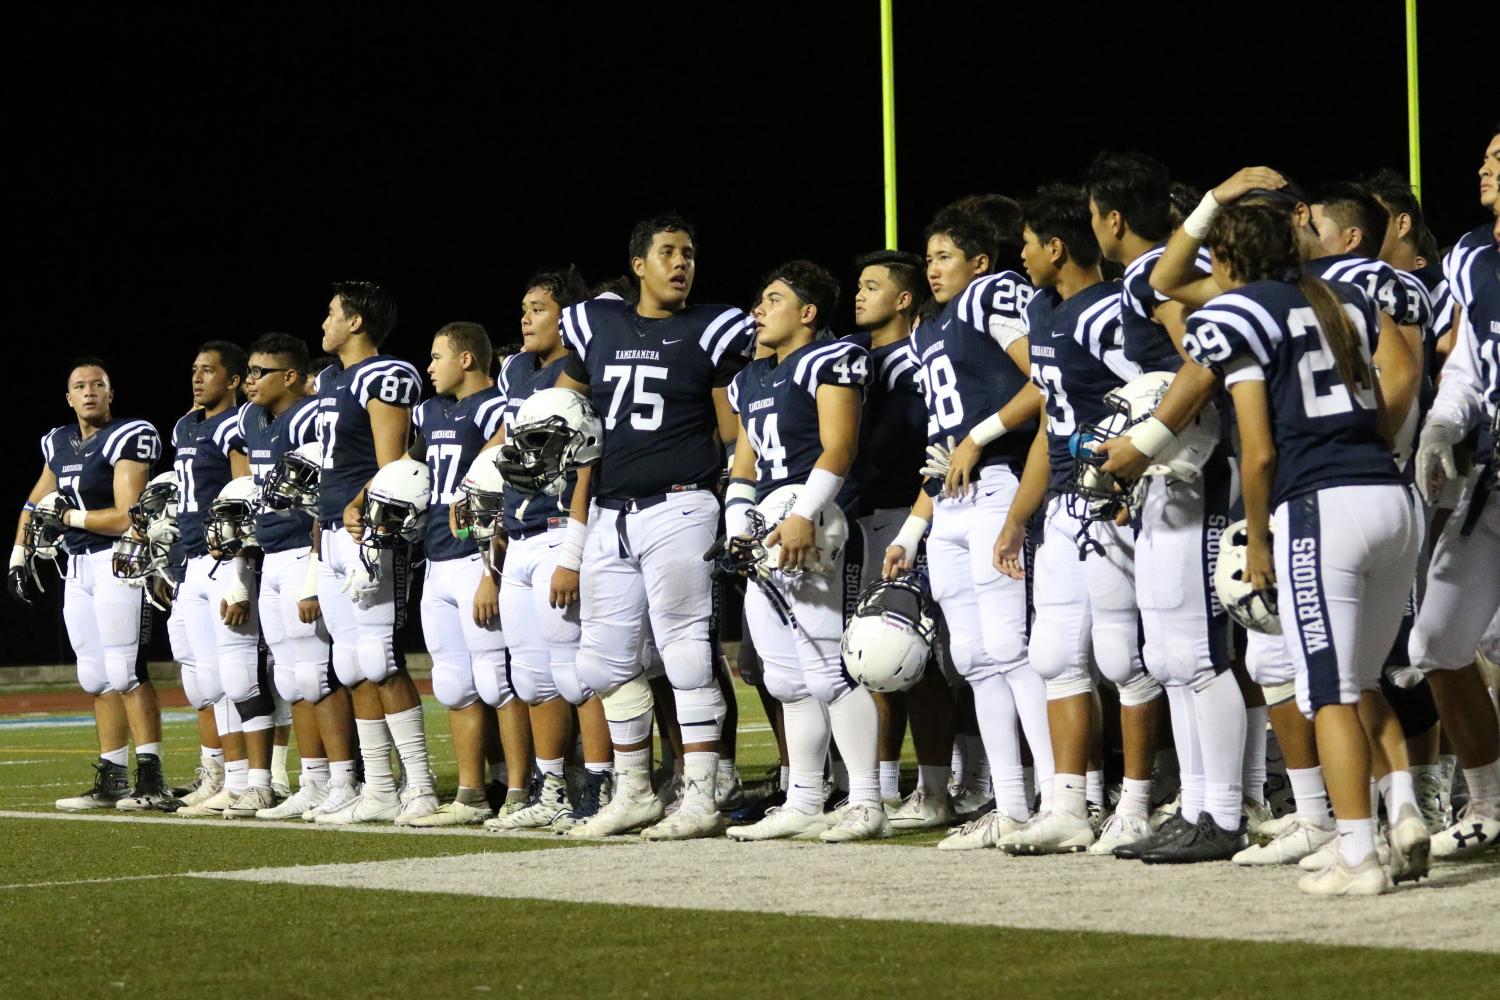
<point x="159" y="906"/>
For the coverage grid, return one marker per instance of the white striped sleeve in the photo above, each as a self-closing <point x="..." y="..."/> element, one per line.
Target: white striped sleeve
<point x="489" y="415"/>
<point x="48" y="449"/>
<point x="898" y="363"/>
<point x="391" y="381"/>
<point x="734" y="391"/>
<point x="731" y="333"/>
<point x="303" y="427"/>
<point x="135" y="441"/>
<point x="575" y="329"/>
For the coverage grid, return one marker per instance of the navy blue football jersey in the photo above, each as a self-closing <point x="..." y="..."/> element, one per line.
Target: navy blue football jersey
<point x="1147" y="342"/>
<point x="85" y="468"/>
<point x="521" y="376"/>
<point x="1402" y="299"/>
<point x="778" y="404"/>
<point x="1326" y="433"/>
<point x="201" y="450"/>
<point x="344" y="396"/>
<point x="1077" y="355"/>
<point x="964" y="371"/>
<point x="892" y="433"/>
<point x="455" y="431"/>
<point x="267" y="437"/>
<point x="1476" y="290"/>
<point x="652" y="381"/>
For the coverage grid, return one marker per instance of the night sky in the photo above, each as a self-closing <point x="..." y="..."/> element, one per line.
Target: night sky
<point x="176" y="178"/>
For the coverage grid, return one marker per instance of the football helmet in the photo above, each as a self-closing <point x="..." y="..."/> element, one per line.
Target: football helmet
<point x="830" y="533"/>
<point x="230" y="525"/>
<point x="888" y="640"/>
<point x="554" y="432"/>
<point x="157" y="501"/>
<point x="44" y="531"/>
<point x="395" y="507"/>
<point x="1254" y="609"/>
<point x="292" y="483"/>
<point x="480" y="507"/>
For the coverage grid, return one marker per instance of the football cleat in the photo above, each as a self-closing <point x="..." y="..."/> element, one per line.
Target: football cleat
<point x="755" y="811"/>
<point x="206" y="785"/>
<point x="416" y="804"/>
<point x="1166" y="810"/>
<point x="453" y="813"/>
<point x="1328" y="854"/>
<point x="980" y="833"/>
<point x="251" y="802"/>
<point x="696" y="815"/>
<point x="1207" y="841"/>
<point x="782" y="822"/>
<point x="151" y="790"/>
<point x="1170" y="830"/>
<point x="1295" y="841"/>
<point x="923" y="810"/>
<point x="729" y="790"/>
<point x="548" y="803"/>
<point x="210" y="808"/>
<point x="858" y="821"/>
<point x="592" y="796"/>
<point x="1050" y="833"/>
<point x="1120" y="830"/>
<point x="1477" y="829"/>
<point x="1432" y="799"/>
<point x="1257" y="816"/>
<point x="303" y="799"/>
<point x="111" y="786"/>
<point x="338" y="798"/>
<point x="669" y="793"/>
<point x="632" y="806"/>
<point x="1411" y="846"/>
<point x="1368" y="878"/>
<point x="365" y="807"/>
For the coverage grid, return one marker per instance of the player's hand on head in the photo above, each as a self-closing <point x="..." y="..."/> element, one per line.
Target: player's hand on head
<point x="1246" y="180"/>
<point x="961" y="464"/>
<point x="1008" y="555"/>
<point x="1122" y="459"/>
<point x="564" y="587"/>
<point x="486" y="601"/>
<point x="896" y="562"/>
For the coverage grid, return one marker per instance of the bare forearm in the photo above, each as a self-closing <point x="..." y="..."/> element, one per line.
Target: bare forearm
<point x="578" y="510"/>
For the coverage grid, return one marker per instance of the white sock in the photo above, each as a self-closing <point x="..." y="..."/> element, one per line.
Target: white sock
<point x="855" y="726"/>
<point x="976" y="772"/>
<point x="260" y="777"/>
<point x="208" y="755"/>
<point x="1398" y="790"/>
<point x="1095" y="782"/>
<point x="995" y="707"/>
<point x="1356" y="840"/>
<point x="607" y="767"/>
<point x="1220" y="709"/>
<point x="1311" y="795"/>
<point x="278" y="764"/>
<point x="957" y="761"/>
<point x="1069" y="794"/>
<point x="410" y="737"/>
<point x="118" y="756"/>
<point x="700" y="765"/>
<point x="1185" y="736"/>
<point x="1484" y="781"/>
<point x="1135" y="798"/>
<point x="375" y="751"/>
<point x="807" y="736"/>
<point x="236" y="777"/>
<point x="340" y="773"/>
<point x="633" y="760"/>
<point x="154" y="749"/>
<point x="890" y="779"/>
<point x="1029" y="692"/>
<point x="1253" y="770"/>
<point x="727" y="769"/>
<point x="785" y="778"/>
<point x="314" y="772"/>
<point x="933" y="778"/>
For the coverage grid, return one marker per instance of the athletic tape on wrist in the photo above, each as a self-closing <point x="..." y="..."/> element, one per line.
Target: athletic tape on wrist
<point x="1151" y="437"/>
<point x="910" y="535"/>
<point x="818" y="492"/>
<point x="1196" y="225"/>
<point x="989" y="429"/>
<point x="570" y="552"/>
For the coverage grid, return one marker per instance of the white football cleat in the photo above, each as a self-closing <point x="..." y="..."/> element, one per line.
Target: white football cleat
<point x="782" y="822"/>
<point x="415" y="805"/>
<point x="632" y="806"/>
<point x="1411" y="846"/>
<point x="1120" y="831"/>
<point x="366" y="807"/>
<point x="1258" y="816"/>
<point x="210" y="781"/>
<point x="250" y="803"/>
<point x="1329" y="853"/>
<point x="983" y="832"/>
<point x="1295" y="841"/>
<point x="213" y="806"/>
<point x="1432" y="799"/>
<point x="305" y="798"/>
<point x="337" y="798"/>
<point x="551" y="802"/>
<point x="968" y="802"/>
<point x="1477" y="830"/>
<point x="923" y="810"/>
<point x="729" y="790"/>
<point x="1368" y="878"/>
<point x="696" y="815"/>
<point x="1050" y="833"/>
<point x="1165" y="811"/>
<point x="453" y="813"/>
<point x="858" y="821"/>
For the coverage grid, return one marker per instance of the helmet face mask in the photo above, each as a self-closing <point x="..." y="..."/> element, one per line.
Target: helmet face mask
<point x="830" y="531"/>
<point x="480" y="512"/>
<point x="136" y="559"/>
<point x="43" y="536"/>
<point x="230" y="526"/>
<point x="555" y="432"/>
<point x="292" y="482"/>
<point x="388" y="522"/>
<point x="158" y="500"/>
<point x="890" y="635"/>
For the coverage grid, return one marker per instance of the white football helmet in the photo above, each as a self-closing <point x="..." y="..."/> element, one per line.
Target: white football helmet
<point x="888" y="640"/>
<point x="157" y="501"/>
<point x="230" y="524"/>
<point x="1254" y="609"/>
<point x="480" y="509"/>
<point x="830" y="533"/>
<point x="44" y="531"/>
<point x="555" y="432"/>
<point x="292" y="483"/>
<point x="395" y="506"/>
<point x="1196" y="442"/>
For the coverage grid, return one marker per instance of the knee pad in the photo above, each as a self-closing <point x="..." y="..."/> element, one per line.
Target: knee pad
<point x="287" y="693"/>
<point x="492" y="677"/>
<point x="1139" y="689"/>
<point x="453" y="683"/>
<point x="238" y="678"/>
<point x="1007" y="651"/>
<point x="689" y="664"/>
<point x="1117" y="652"/>
<point x="283" y="713"/>
<point x="210" y="684"/>
<point x="377" y="657"/>
<point x="1069" y="684"/>
<point x="827" y="688"/>
<point x="189" y="677"/>
<point x="120" y="669"/>
<point x="532" y="681"/>
<point x="346" y="664"/>
<point x="700" y="713"/>
<point x="565" y="680"/>
<point x="92" y="676"/>
<point x="630" y="731"/>
<point x="227" y="717"/>
<point x="602" y="674"/>
<point x="1050" y="656"/>
<point x="315" y="680"/>
<point x="1275" y="694"/>
<point x="1179" y="662"/>
<point x="629" y="700"/>
<point x="257" y="712"/>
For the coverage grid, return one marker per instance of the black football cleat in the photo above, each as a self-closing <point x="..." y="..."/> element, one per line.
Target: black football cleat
<point x="1207" y="841"/>
<point x="1174" y="828"/>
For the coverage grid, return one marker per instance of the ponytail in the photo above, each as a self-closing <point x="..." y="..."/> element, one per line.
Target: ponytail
<point x="1339" y="331"/>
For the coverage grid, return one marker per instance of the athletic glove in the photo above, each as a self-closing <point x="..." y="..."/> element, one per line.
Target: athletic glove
<point x="937" y="459"/>
<point x="362" y="586"/>
<point x="18" y="576"/>
<point x="1435" y="462"/>
<point x="163" y="532"/>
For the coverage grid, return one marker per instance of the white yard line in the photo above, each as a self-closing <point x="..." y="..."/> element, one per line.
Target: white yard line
<point x="87" y="881"/>
<point x="105" y="816"/>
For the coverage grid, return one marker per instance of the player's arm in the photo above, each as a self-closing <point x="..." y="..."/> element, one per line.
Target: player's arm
<point x="130" y="480"/>
<point x="724" y="416"/>
<point x="566" y="380"/>
<point x="901" y="554"/>
<point x="1020" y="408"/>
<point x="740" y="496"/>
<point x="390" y="426"/>
<point x="1398" y="366"/>
<point x="1030" y="495"/>
<point x="18" y="577"/>
<point x="565" y="579"/>
<point x="838" y="434"/>
<point x="45" y="483"/>
<point x="1257" y="472"/>
<point x="1176" y="273"/>
<point x="239" y="464"/>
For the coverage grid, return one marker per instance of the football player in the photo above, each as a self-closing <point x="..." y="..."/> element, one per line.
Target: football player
<point x="364" y="417"/>
<point x="1316" y="457"/>
<point x="99" y="465"/>
<point x="972" y="358"/>
<point x="799" y="413"/>
<point x="658" y="372"/>
<point x="281" y="416"/>
<point x="542" y="621"/>
<point x="460" y="596"/>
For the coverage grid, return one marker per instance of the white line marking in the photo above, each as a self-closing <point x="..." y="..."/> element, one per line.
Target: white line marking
<point x="92" y="881"/>
<point x="104" y="816"/>
<point x="13" y="763"/>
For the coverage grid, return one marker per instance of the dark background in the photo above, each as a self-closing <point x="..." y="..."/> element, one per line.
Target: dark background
<point x="173" y="178"/>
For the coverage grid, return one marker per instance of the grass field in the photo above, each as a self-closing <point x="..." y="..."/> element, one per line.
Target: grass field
<point x="109" y="905"/>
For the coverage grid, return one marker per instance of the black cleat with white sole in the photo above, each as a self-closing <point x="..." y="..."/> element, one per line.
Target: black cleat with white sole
<point x="1207" y="841"/>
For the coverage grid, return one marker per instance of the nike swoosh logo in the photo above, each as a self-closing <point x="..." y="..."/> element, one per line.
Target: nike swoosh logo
<point x="947" y="324"/>
<point x="554" y="545"/>
<point x="1055" y="334"/>
<point x="782" y="382"/>
<point x="664" y="343"/>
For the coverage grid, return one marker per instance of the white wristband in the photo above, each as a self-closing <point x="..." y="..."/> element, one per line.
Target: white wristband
<point x="910" y="535"/>
<point x="570" y="552"/>
<point x="310" y="585"/>
<point x="742" y="490"/>
<point x="1151" y="437"/>
<point x="17" y="556"/>
<point x="818" y="492"/>
<point x="74" y="518"/>
<point x="737" y="519"/>
<point x="987" y="430"/>
<point x="1196" y="225"/>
